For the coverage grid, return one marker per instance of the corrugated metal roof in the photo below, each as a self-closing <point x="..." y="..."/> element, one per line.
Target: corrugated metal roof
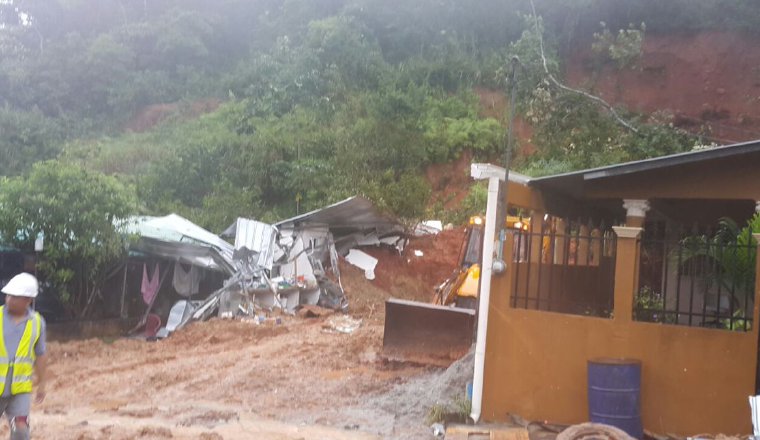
<point x="482" y="171"/>
<point x="188" y="253"/>
<point x="175" y="228"/>
<point x="569" y="182"/>
<point x="347" y="216"/>
<point x="256" y="236"/>
<point x="520" y="178"/>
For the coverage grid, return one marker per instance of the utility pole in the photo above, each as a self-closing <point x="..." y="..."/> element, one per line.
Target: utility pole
<point x="512" y="84"/>
<point x="496" y="212"/>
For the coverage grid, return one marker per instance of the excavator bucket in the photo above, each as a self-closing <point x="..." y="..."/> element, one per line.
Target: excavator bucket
<point x="422" y="333"/>
<point x="438" y="334"/>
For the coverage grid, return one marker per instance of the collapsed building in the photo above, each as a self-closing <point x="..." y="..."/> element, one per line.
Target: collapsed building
<point x="262" y="268"/>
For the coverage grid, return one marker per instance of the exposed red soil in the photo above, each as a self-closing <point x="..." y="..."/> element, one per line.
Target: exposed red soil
<point x="451" y="181"/>
<point x="211" y="377"/>
<point x="233" y="379"/>
<point x="366" y="298"/>
<point x="237" y="380"/>
<point x="152" y="115"/>
<point x="706" y="81"/>
<point x="223" y="379"/>
<point x="494" y="104"/>
<point x="411" y="277"/>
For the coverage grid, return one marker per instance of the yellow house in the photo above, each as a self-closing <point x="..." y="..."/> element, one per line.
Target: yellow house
<point x="634" y="269"/>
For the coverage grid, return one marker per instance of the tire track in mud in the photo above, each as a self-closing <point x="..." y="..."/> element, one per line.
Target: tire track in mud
<point x="297" y="373"/>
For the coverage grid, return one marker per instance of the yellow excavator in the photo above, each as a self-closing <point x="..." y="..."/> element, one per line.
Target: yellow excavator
<point x="461" y="288"/>
<point x="440" y="332"/>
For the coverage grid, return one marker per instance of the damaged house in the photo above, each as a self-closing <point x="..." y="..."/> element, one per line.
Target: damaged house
<point x="184" y="272"/>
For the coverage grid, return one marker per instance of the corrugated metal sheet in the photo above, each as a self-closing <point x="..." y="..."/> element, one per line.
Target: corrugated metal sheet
<point x="188" y="253"/>
<point x="175" y="228"/>
<point x="346" y="217"/>
<point x="573" y="183"/>
<point x="258" y="237"/>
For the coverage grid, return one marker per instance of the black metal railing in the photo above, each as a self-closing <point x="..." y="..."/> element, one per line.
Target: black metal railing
<point x="564" y="267"/>
<point x="697" y="280"/>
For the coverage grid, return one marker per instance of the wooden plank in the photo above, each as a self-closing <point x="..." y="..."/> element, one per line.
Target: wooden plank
<point x="510" y="434"/>
<point x="485" y="432"/>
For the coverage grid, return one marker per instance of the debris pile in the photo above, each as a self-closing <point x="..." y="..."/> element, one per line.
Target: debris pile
<point x="252" y="369"/>
<point x="269" y="268"/>
<point x="407" y="404"/>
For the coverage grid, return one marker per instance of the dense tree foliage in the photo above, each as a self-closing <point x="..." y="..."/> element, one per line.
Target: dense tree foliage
<point x="320" y="99"/>
<point x="76" y="211"/>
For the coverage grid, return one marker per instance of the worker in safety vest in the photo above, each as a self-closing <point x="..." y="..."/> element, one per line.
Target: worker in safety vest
<point x="22" y="350"/>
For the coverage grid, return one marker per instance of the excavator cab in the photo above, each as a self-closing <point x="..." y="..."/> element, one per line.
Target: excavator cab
<point x="462" y="287"/>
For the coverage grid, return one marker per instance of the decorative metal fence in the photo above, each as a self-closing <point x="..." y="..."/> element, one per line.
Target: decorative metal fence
<point x="565" y="267"/>
<point x="695" y="279"/>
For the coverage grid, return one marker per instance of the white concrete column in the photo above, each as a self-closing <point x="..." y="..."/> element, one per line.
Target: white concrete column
<point x="494" y="175"/>
<point x="636" y="212"/>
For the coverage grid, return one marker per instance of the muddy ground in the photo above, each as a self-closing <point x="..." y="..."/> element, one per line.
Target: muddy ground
<point x="299" y="379"/>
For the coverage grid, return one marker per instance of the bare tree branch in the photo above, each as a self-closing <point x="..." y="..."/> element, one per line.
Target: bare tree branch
<point x="561" y="86"/>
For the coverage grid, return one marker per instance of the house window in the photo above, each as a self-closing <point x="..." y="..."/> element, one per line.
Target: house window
<point x="564" y="266"/>
<point x="698" y="278"/>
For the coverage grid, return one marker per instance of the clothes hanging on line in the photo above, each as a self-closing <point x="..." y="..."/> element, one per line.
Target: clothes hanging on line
<point x="150" y="285"/>
<point x="186" y="282"/>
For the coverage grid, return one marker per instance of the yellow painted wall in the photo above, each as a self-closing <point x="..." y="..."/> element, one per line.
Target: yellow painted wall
<point x="694" y="380"/>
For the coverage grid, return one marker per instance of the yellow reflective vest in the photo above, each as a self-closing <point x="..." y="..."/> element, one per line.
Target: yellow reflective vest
<point x="23" y="364"/>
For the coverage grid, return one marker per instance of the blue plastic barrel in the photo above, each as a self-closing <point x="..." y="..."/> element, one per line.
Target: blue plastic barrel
<point x="614" y="394"/>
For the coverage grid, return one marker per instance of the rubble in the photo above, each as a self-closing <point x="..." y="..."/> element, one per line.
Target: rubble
<point x="343" y="324"/>
<point x="260" y="361"/>
<point x="363" y="261"/>
<point x="407" y="404"/>
<point x="259" y="368"/>
<point x="309" y="311"/>
<point x="428" y="227"/>
<point x="270" y="268"/>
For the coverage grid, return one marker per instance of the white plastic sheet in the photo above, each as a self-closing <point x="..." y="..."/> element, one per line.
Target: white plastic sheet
<point x="428" y="227"/>
<point x="363" y="261"/>
<point x="755" y="406"/>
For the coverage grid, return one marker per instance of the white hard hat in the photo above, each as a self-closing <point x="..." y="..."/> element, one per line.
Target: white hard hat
<point x="23" y="284"/>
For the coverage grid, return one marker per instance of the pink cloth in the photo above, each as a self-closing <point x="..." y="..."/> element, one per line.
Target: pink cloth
<point x="152" y="324"/>
<point x="149" y="286"/>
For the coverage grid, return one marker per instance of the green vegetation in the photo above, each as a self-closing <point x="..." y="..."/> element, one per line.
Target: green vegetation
<point x="623" y="48"/>
<point x="731" y="253"/>
<point x="455" y="411"/>
<point x="734" y="251"/>
<point x="76" y="210"/>
<point x="320" y="100"/>
<point x="649" y="306"/>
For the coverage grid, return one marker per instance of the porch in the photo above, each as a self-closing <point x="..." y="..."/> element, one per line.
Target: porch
<point x="673" y="286"/>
